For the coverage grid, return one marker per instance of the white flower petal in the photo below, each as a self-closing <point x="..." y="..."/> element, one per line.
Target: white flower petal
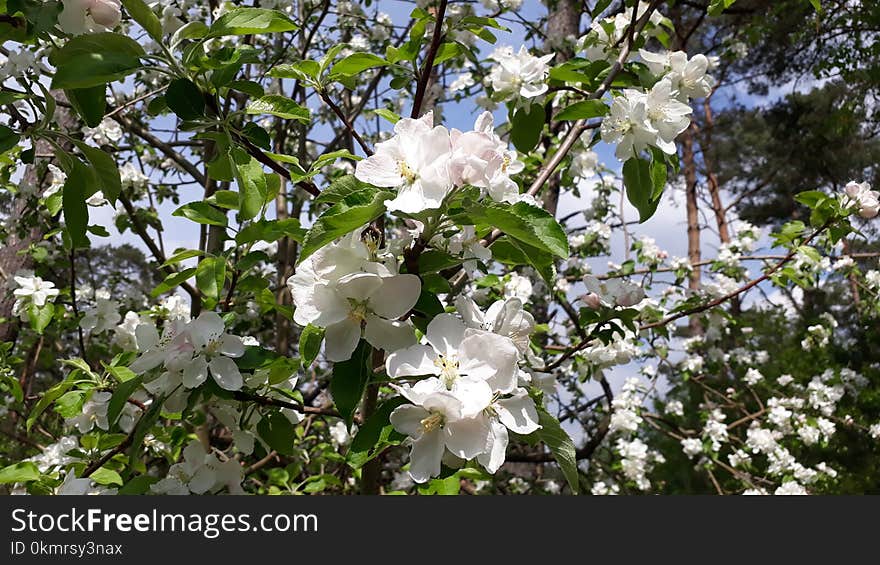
<point x="341" y="339"/>
<point x="426" y="456"/>
<point x="226" y="373"/>
<point x="195" y="373"/>
<point x="411" y="362"/>
<point x="397" y="295"/>
<point x="445" y="333"/>
<point x="389" y="335"/>
<point x="518" y="413"/>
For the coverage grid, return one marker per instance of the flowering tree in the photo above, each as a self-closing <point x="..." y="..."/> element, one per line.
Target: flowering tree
<point x="307" y="282"/>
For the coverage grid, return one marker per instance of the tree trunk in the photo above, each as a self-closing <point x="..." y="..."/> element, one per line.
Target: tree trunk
<point x="12" y="259"/>
<point x="693" y="219"/>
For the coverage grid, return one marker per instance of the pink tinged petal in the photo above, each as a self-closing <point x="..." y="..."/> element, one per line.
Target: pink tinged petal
<point x="518" y="413"/>
<point x="468" y="437"/>
<point x="426" y="456"/>
<point x="379" y="170"/>
<point x="231" y="346"/>
<point x="411" y="362"/>
<point x="389" y="335"/>
<point x="341" y="339"/>
<point x="445" y="333"/>
<point x="397" y="296"/>
<point x="105" y="13"/>
<point x="195" y="373"/>
<point x="358" y="286"/>
<point x="226" y="373"/>
<point x="493" y="458"/>
<point x="407" y="419"/>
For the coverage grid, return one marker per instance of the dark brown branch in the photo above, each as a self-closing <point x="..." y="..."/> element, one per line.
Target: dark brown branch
<point x="425" y="75"/>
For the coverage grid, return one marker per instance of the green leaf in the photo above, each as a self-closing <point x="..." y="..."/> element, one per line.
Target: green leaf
<point x="89" y="103"/>
<point x="310" y="344"/>
<point x="185" y="99"/>
<point x="527" y="125"/>
<point x="355" y="210"/>
<point x="142" y="14"/>
<point x="561" y="446"/>
<point x="94" y="59"/>
<point x="600" y="7"/>
<point x="253" y="191"/>
<point x="202" y="213"/>
<point x="73" y="204"/>
<point x="23" y="472"/>
<point x="718" y="6"/>
<point x="138" y="485"/>
<point x="106" y="171"/>
<point x="172" y="281"/>
<point x="143" y="426"/>
<point x="8" y="139"/>
<point x="120" y="398"/>
<point x="339" y="189"/>
<point x="817" y="4"/>
<point x="211" y="276"/>
<point x="251" y="21"/>
<point x="387" y="114"/>
<point x="280" y="106"/>
<point x="447" y="51"/>
<point x="357" y="63"/>
<point x="524" y="222"/>
<point x="278" y="432"/>
<point x="182" y="256"/>
<point x="70" y="403"/>
<point x="49" y="397"/>
<point x="104" y="476"/>
<point x="40" y="316"/>
<point x="350" y="379"/>
<point x="271" y="231"/>
<point x="639" y="177"/>
<point x="448" y="486"/>
<point x="306" y="70"/>
<point x="583" y="110"/>
<point x="811" y="198"/>
<point x="375" y="435"/>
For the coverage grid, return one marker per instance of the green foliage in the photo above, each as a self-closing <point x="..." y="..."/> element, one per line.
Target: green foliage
<point x="561" y="446"/>
<point x="250" y="21"/>
<point x="95" y="59"/>
<point x="350" y="379"/>
<point x="352" y="212"/>
<point x="644" y="182"/>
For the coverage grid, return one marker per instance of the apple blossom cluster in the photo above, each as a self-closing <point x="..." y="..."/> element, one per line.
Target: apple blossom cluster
<point x="345" y="289"/>
<point x="469" y="396"/>
<point x="89" y="16"/>
<point x="518" y="76"/>
<point x="639" y="119"/>
<point x="427" y="163"/>
<point x="188" y="352"/>
<point x="31" y="290"/>
<point x="602" y="42"/>
<point x="860" y="197"/>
